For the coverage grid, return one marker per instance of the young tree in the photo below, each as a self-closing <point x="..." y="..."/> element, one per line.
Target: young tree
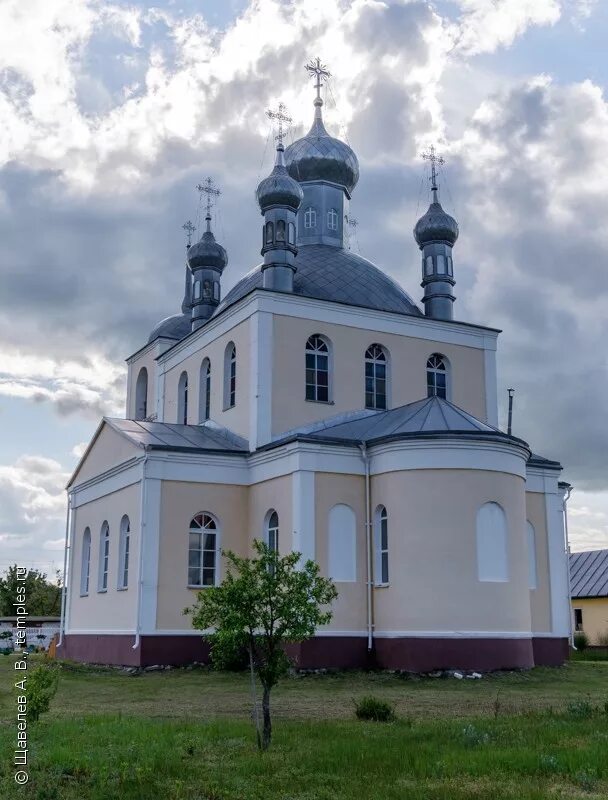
<point x="43" y="599"/>
<point x="263" y="604"/>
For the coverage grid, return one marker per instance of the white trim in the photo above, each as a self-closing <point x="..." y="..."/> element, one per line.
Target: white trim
<point x="150" y="542"/>
<point x="160" y="396"/>
<point x="491" y="382"/>
<point x="324" y="633"/>
<point x="112" y="480"/>
<point x="260" y="369"/>
<point x="303" y="509"/>
<point x="558" y="566"/>
<point x="542" y="481"/>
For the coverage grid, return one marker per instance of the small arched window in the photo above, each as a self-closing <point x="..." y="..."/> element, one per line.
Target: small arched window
<point x="342" y="539"/>
<point x="182" y="399"/>
<point x="124" y="553"/>
<point x="202" y="551"/>
<point x="532" y="571"/>
<point x="317" y="368"/>
<point x="332" y="219"/>
<point x="269" y="233"/>
<point x="492" y="544"/>
<point x="291" y="233"/>
<point x="141" y="394"/>
<point x="85" y="563"/>
<point x="376" y="377"/>
<point x="204" y="397"/>
<point x="310" y="218"/>
<point x="428" y="265"/>
<point x="281" y="230"/>
<point x="437" y="376"/>
<point x="381" y="540"/>
<point x="272" y="531"/>
<point x="216" y="290"/>
<point x="197" y="290"/>
<point x="104" y="557"/>
<point x="230" y="375"/>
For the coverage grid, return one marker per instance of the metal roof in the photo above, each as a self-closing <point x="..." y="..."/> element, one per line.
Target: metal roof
<point x="180" y="438"/>
<point x="589" y="574"/>
<point x="178" y="326"/>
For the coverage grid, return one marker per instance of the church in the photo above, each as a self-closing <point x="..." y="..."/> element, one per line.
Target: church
<point x="318" y="407"/>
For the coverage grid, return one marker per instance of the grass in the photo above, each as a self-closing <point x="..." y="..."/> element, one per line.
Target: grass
<point x="186" y="735"/>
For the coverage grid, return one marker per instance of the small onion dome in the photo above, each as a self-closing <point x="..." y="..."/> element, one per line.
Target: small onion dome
<point x="278" y="189"/>
<point x="319" y="157"/>
<point x="436" y="226"/>
<point x="175" y="327"/>
<point x="207" y="252"/>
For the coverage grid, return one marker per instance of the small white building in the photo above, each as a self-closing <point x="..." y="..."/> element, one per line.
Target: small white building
<point x="319" y="407"/>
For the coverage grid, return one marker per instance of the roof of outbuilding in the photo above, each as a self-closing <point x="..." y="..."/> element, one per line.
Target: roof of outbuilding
<point x="589" y="574"/>
<point x="180" y="438"/>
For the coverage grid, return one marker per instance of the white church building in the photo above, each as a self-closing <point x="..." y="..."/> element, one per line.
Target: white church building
<point x="318" y="407"/>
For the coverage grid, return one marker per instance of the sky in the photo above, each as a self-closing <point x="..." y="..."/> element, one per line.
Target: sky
<point x="111" y="113"/>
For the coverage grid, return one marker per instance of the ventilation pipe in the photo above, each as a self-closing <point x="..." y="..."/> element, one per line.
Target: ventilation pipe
<point x="510" y="418"/>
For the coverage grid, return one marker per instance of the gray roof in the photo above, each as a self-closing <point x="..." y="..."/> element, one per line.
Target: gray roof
<point x="589" y="574"/>
<point x="175" y="327"/>
<point x="540" y="461"/>
<point x="332" y="273"/>
<point x="180" y="438"/>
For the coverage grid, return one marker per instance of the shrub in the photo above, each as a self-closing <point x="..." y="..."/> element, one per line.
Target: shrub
<point x="41" y="687"/>
<point x="372" y="708"/>
<point x="473" y="737"/>
<point x="580" y="708"/>
<point x="602" y="639"/>
<point x="581" y="641"/>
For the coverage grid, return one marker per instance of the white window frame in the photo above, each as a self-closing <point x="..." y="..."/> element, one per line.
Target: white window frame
<point x="432" y="369"/>
<point x="85" y="562"/>
<point x="230" y="376"/>
<point x="194" y="529"/>
<point x="124" y="553"/>
<point x="381" y="515"/>
<point x="332" y="219"/>
<point x="373" y="359"/>
<point x="310" y="218"/>
<point x="182" y="399"/>
<point x="271" y="531"/>
<point x="104" y="557"/>
<point x="492" y="538"/>
<point x="204" y="391"/>
<point x="317" y="353"/>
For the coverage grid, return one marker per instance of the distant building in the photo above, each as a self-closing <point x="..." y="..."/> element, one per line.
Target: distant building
<point x="589" y="592"/>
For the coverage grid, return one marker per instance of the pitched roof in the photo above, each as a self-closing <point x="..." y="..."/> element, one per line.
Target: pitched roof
<point x="180" y="438"/>
<point x="589" y="574"/>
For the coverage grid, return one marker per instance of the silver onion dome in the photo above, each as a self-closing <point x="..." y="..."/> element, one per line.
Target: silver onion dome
<point x="436" y="226"/>
<point x="279" y="189"/>
<point x="319" y="157"/>
<point x="207" y="252"/>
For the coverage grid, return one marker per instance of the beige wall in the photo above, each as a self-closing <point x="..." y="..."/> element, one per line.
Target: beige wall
<point x="180" y="502"/>
<point x="237" y="418"/>
<point x="407" y="370"/>
<point x="433" y="553"/>
<point x="540" y="598"/>
<point x="273" y="494"/>
<point x="595" y="616"/>
<point x="349" y="609"/>
<point x="110" y="449"/>
<point x="115" y="609"/>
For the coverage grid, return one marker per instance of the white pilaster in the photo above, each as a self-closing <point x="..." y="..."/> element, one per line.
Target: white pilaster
<point x="491" y="381"/>
<point x="260" y="367"/>
<point x="558" y="565"/>
<point x="303" y="504"/>
<point x="160" y="394"/>
<point x="150" y="541"/>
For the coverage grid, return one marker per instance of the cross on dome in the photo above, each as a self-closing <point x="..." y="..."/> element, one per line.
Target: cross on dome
<point x="320" y="71"/>
<point x="282" y="117"/>
<point x="435" y="160"/>
<point x="210" y="189"/>
<point x="189" y="228"/>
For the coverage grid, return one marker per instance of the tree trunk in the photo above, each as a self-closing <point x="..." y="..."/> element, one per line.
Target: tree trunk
<point x="267" y="731"/>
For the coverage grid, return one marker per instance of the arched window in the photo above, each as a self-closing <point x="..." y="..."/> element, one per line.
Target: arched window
<point x="230" y="375"/>
<point x="317" y="368"/>
<point x="342" y="540"/>
<point x="104" y="557"/>
<point x="197" y="290"/>
<point x="281" y="230"/>
<point x="204" y="391"/>
<point x="381" y="537"/>
<point x="332" y="219"/>
<point x="291" y="233"/>
<point x="376" y="377"/>
<point x="123" y="552"/>
<point x="202" y="551"/>
<point x="182" y="399"/>
<point x="85" y="562"/>
<point x="271" y="534"/>
<point x="310" y="218"/>
<point x="441" y="264"/>
<point x="269" y="233"/>
<point x="532" y="571"/>
<point x="437" y="376"/>
<point x="141" y="394"/>
<point x="428" y="265"/>
<point x="492" y="544"/>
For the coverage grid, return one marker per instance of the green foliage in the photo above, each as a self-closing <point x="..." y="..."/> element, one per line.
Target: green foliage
<point x="580" y="708"/>
<point x="42" y="598"/>
<point x="41" y="686"/>
<point x="375" y="709"/>
<point x="602" y="639"/>
<point x="581" y="641"/>
<point x="473" y="737"/>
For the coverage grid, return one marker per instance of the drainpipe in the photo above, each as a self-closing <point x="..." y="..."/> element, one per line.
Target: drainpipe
<point x="142" y="526"/>
<point x="368" y="548"/>
<point x="567" y="546"/>
<point x="67" y="546"/>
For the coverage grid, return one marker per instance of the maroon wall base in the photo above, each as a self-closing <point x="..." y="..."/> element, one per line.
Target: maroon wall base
<point x="331" y="652"/>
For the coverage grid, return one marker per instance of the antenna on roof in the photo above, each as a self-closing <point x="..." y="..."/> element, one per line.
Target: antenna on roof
<point x="510" y="418"/>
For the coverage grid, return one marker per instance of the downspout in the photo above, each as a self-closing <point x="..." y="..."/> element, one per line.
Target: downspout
<point x="142" y="525"/>
<point x="67" y="546"/>
<point x="567" y="547"/>
<point x="368" y="548"/>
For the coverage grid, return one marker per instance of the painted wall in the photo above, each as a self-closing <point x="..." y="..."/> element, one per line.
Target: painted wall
<point x="595" y="617"/>
<point x="433" y="580"/>
<point x="276" y="494"/>
<point x="109" y="449"/>
<point x="540" y="598"/>
<point x="237" y="418"/>
<point x="408" y="357"/>
<point x="180" y="502"/>
<point x="115" y="609"/>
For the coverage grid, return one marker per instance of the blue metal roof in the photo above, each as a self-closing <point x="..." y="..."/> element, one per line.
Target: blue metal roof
<point x="589" y="574"/>
<point x="167" y="436"/>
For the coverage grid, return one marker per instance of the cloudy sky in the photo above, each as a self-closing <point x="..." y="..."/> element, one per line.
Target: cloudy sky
<point x="110" y="113"/>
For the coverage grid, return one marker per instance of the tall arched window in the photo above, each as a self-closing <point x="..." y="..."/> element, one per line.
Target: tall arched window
<point x="310" y="218"/>
<point x="230" y="375"/>
<point x="492" y="543"/>
<point x="85" y="562"/>
<point x="141" y="394"/>
<point x="376" y="377"/>
<point x="104" y="557"/>
<point x="532" y="571"/>
<point x="291" y="233"/>
<point x="204" y="391"/>
<point x="332" y="219"/>
<point x="342" y="540"/>
<point x="437" y="376"/>
<point x="281" y="230"/>
<point x="317" y="368"/>
<point x="203" y="550"/>
<point x="124" y="552"/>
<point x="269" y="233"/>
<point x="182" y="399"/>
<point x="381" y="538"/>
<point x="271" y="534"/>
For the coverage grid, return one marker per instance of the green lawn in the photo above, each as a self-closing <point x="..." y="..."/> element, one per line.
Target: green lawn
<point x="186" y="735"/>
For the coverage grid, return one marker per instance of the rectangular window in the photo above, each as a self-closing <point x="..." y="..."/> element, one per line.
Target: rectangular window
<point x="578" y="619"/>
<point x="384" y="549"/>
<point x="105" y="560"/>
<point x="194" y="560"/>
<point x="317" y="377"/>
<point x="125" y="566"/>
